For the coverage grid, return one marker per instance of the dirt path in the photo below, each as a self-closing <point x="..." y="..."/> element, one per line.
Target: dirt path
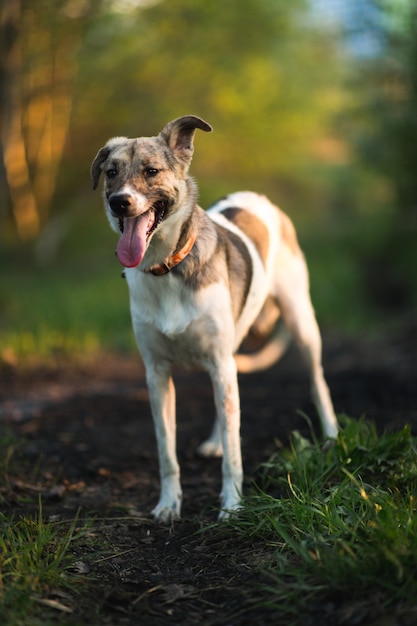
<point x="89" y="439"/>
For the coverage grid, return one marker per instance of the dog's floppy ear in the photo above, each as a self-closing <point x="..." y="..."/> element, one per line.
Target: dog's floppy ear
<point x="179" y="135"/>
<point x="100" y="157"/>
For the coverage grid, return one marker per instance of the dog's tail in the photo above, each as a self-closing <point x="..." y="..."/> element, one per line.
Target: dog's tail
<point x="266" y="356"/>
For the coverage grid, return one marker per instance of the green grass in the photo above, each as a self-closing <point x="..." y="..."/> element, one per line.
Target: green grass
<point x="334" y="524"/>
<point x="35" y="562"/>
<point x="341" y="522"/>
<point x="36" y="556"/>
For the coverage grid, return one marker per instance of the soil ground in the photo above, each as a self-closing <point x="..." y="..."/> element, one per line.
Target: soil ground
<point x="89" y="444"/>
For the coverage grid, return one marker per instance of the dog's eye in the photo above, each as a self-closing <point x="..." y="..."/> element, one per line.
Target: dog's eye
<point x="111" y="173"/>
<point x="151" y="172"/>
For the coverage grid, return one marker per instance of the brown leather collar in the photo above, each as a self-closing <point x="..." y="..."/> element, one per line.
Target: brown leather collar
<point x="173" y="261"/>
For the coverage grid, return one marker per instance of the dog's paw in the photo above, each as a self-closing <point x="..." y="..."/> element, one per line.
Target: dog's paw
<point x="231" y="502"/>
<point x="170" y="498"/>
<point x="166" y="514"/>
<point x="210" y="448"/>
<point x="329" y="444"/>
<point x="228" y="512"/>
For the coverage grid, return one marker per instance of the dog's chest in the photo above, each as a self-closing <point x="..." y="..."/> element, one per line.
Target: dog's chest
<point x="160" y="302"/>
<point x="170" y="307"/>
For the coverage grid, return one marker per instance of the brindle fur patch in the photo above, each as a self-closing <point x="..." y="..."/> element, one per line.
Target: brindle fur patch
<point x="252" y="227"/>
<point x="239" y="264"/>
<point x="206" y="264"/>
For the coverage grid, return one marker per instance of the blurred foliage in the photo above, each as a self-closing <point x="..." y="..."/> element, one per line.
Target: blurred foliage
<point x="386" y="118"/>
<point x="250" y="68"/>
<point x="38" y="70"/>
<point x="330" y="135"/>
<point x="86" y="71"/>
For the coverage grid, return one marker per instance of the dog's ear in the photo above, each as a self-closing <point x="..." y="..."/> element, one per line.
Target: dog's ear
<point x="179" y="135"/>
<point x="100" y="157"/>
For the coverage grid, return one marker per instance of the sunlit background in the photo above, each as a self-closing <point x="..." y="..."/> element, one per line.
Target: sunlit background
<point x="312" y="102"/>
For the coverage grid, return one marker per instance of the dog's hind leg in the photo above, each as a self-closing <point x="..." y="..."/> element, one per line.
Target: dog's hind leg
<point x="162" y="399"/>
<point x="299" y="317"/>
<point x="310" y="345"/>
<point x="212" y="447"/>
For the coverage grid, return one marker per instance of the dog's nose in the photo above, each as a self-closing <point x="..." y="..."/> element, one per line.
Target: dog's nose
<point x="120" y="203"/>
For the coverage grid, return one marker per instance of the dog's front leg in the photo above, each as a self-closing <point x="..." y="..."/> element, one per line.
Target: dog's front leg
<point x="162" y="399"/>
<point x="226" y="395"/>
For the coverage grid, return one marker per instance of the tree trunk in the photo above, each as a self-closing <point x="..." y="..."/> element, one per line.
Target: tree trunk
<point x="24" y="205"/>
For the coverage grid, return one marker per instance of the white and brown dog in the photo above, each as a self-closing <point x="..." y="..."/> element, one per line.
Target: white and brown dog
<point x="198" y="283"/>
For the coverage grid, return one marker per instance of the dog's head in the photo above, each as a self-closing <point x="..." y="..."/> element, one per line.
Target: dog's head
<point x="146" y="179"/>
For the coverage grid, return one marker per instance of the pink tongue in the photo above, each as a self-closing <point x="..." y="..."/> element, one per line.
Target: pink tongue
<point x="132" y="244"/>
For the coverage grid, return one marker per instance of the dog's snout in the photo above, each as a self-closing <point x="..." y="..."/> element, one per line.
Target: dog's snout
<point x="121" y="203"/>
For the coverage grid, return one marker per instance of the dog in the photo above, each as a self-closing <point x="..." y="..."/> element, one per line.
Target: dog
<point x="199" y="283"/>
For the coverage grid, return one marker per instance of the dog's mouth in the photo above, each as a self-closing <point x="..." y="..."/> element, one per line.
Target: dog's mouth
<point x="136" y="232"/>
<point x="156" y="214"/>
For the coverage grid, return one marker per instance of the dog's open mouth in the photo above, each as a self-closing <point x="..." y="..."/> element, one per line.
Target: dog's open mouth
<point x="156" y="214"/>
<point x="159" y="209"/>
<point x="136" y="232"/>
